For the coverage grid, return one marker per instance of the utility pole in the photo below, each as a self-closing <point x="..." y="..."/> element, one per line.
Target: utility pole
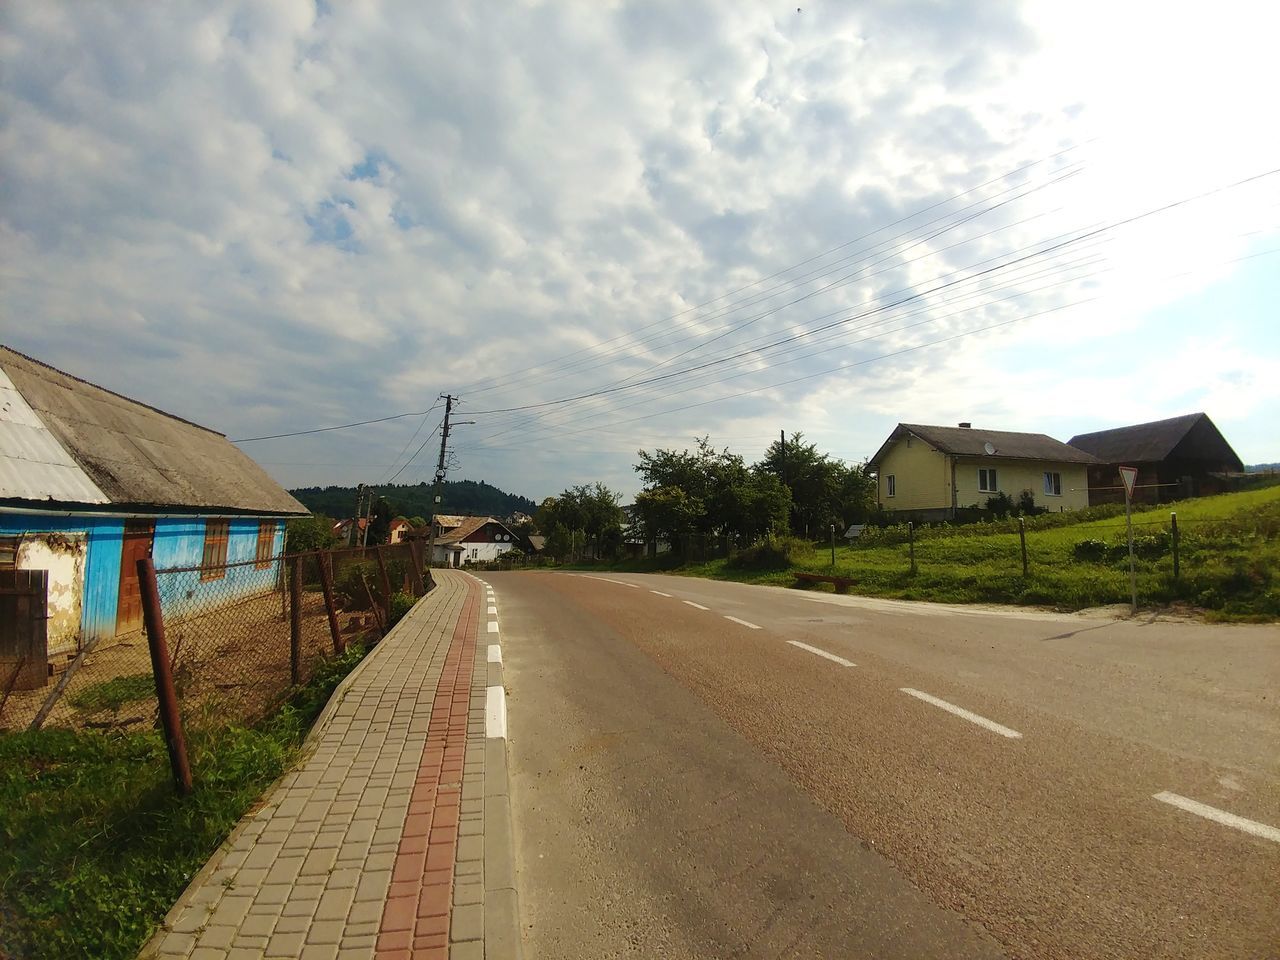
<point x="353" y="534"/>
<point x="435" y="490"/>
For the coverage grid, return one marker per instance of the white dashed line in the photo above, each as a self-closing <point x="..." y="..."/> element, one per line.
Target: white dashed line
<point x="963" y="713"/>
<point x="660" y="593"/>
<point x="822" y="653"/>
<point x="692" y="604"/>
<point x="495" y="713"/>
<point x="745" y="623"/>
<point x="493" y="626"/>
<point x="495" y="653"/>
<point x="1220" y="816"/>
<point x="493" y="611"/>
<point x="621" y="583"/>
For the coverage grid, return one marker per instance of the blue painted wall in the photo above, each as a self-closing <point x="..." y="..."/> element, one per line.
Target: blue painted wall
<point x="178" y="543"/>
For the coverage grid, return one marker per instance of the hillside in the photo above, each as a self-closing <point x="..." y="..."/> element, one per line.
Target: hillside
<point x="458" y="496"/>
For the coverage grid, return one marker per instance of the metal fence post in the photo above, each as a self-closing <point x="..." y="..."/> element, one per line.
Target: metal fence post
<point x="415" y="566"/>
<point x="295" y="621"/>
<point x="326" y="586"/>
<point x="1022" y="537"/>
<point x="166" y="695"/>
<point x="1173" y="519"/>
<point x="911" y="544"/>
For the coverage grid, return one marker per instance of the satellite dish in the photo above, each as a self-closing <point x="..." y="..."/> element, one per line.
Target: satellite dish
<point x="989" y="447"/>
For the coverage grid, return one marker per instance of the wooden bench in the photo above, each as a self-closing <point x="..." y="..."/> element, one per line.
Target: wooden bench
<point x="842" y="584"/>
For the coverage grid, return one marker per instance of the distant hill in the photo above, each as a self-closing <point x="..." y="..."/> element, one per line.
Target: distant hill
<point x="458" y="496"/>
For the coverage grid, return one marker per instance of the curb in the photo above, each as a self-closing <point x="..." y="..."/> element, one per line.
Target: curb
<point x="215" y="859"/>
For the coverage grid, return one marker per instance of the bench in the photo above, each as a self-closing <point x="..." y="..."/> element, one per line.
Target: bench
<point x="842" y="584"/>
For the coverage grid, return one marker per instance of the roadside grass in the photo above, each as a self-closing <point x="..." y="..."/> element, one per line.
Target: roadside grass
<point x="1229" y="559"/>
<point x="96" y="844"/>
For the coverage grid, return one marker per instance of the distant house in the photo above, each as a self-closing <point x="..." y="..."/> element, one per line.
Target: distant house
<point x="398" y="528"/>
<point x="473" y="540"/>
<point x="1180" y="457"/>
<point x="929" y="472"/>
<point x="91" y="481"/>
<point x="342" y="529"/>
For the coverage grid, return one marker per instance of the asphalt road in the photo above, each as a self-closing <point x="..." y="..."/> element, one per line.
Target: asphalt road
<point x="705" y="769"/>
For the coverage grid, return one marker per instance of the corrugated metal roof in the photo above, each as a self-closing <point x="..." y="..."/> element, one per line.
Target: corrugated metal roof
<point x="972" y="442"/>
<point x="33" y="464"/>
<point x="135" y="455"/>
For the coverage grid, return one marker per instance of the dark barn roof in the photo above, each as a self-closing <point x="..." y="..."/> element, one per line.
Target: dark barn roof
<point x="972" y="442"/>
<point x="135" y="455"/>
<point x="1192" y="436"/>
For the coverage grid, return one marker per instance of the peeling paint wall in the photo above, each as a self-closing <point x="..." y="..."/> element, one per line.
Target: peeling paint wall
<point x="63" y="555"/>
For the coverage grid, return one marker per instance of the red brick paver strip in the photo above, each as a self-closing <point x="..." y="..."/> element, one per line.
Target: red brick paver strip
<point x="354" y="854"/>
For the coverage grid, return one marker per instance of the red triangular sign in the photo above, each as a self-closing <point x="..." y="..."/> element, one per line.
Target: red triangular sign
<point x="1128" y="476"/>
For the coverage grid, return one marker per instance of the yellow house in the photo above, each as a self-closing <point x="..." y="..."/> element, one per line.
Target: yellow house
<point x="929" y="472"/>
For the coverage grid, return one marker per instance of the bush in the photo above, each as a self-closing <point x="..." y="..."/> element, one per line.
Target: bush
<point x="1001" y="505"/>
<point x="349" y="590"/>
<point x="777" y="553"/>
<point x="401" y="604"/>
<point x="1090" y="551"/>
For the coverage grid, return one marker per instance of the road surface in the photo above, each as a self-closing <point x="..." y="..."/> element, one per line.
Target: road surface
<point x="706" y="769"/>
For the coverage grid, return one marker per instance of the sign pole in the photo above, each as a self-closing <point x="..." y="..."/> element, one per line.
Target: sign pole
<point x="1129" y="476"/>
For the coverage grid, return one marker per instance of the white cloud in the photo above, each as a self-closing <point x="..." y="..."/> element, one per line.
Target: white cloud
<point x="266" y="217"/>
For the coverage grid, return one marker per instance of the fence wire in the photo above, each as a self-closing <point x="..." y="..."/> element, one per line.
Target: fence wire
<point x="240" y="636"/>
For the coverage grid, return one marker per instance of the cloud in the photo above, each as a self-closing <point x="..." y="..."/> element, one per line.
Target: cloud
<point x="276" y="216"/>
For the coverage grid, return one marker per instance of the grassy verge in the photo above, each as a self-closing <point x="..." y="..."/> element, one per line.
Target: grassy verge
<point x="1229" y="558"/>
<point x="97" y="847"/>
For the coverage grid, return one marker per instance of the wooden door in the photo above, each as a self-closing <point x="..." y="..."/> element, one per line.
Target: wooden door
<point x="24" y="646"/>
<point x="135" y="545"/>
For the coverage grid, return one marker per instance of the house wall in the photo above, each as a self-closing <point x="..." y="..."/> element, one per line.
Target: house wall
<point x="180" y="543"/>
<point x="1014" y="476"/>
<point x="923" y="477"/>
<point x="62" y="555"/>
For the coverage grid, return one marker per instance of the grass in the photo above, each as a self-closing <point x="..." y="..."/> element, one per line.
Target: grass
<point x="1230" y="560"/>
<point x="97" y="846"/>
<point x="114" y="693"/>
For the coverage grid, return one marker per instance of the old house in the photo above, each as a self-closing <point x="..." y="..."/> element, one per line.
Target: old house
<point x="91" y="481"/>
<point x="1180" y="457"/>
<point x="927" y="472"/>
<point x="473" y="540"/>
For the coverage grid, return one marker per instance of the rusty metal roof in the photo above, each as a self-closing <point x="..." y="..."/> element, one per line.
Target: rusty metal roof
<point x="131" y="454"/>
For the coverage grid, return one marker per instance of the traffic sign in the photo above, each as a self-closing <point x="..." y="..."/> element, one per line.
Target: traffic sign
<point x="1128" y="476"/>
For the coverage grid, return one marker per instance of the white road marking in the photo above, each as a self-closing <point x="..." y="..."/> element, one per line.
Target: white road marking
<point x="961" y="712"/>
<point x="621" y="583"/>
<point x="493" y="611"/>
<point x="692" y="604"/>
<point x="745" y="623"/>
<point x="660" y="593"/>
<point x="495" y="653"/>
<point x="1220" y="816"/>
<point x="495" y="713"/>
<point x="822" y="653"/>
<point x="493" y="626"/>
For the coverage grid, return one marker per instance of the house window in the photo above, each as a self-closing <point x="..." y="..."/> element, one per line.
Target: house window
<point x="265" y="552"/>
<point x="213" y="563"/>
<point x="475" y="553"/>
<point x="9" y="552"/>
<point x="891" y="485"/>
<point x="1052" y="484"/>
<point x="987" y="480"/>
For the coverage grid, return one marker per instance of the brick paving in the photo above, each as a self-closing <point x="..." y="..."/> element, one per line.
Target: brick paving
<point x="376" y="846"/>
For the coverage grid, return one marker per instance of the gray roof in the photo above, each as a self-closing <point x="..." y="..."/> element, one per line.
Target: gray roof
<point x="1148" y="442"/>
<point x="972" y="442"/>
<point x="132" y="455"/>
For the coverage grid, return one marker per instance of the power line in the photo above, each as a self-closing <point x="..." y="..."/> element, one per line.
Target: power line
<point x="340" y="426"/>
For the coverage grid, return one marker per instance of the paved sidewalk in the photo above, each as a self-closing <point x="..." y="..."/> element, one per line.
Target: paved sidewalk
<point x="392" y="839"/>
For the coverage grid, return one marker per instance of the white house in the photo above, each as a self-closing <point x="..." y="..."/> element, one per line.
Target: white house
<point x="474" y="540"/>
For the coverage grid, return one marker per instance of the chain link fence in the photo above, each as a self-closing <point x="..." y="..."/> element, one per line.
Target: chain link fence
<point x="241" y="637"/>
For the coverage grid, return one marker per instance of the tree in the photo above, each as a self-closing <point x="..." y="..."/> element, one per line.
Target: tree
<point x="380" y="522"/>
<point x="308" y="533"/>
<point x="823" y="490"/>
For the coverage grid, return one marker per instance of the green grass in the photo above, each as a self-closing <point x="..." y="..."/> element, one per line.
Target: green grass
<point x="1230" y="560"/>
<point x="114" y="693"/>
<point x="97" y="846"/>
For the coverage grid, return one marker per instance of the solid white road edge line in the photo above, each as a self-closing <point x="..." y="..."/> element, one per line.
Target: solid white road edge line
<point x="692" y="604"/>
<point x="822" y="653"/>
<point x="746" y="623"/>
<point x="1220" y="816"/>
<point x="495" y="713"/>
<point x="495" y="653"/>
<point x="660" y="593"/>
<point x="965" y="714"/>
<point x="493" y="626"/>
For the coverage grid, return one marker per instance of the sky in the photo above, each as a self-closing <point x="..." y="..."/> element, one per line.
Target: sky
<point x="612" y="226"/>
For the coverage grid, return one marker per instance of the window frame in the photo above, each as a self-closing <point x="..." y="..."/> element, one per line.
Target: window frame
<point x="264" y="552"/>
<point x="890" y="485"/>
<point x="988" y="481"/>
<point x="213" y="558"/>
<point x="10" y="544"/>
<point x="1052" y="483"/>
